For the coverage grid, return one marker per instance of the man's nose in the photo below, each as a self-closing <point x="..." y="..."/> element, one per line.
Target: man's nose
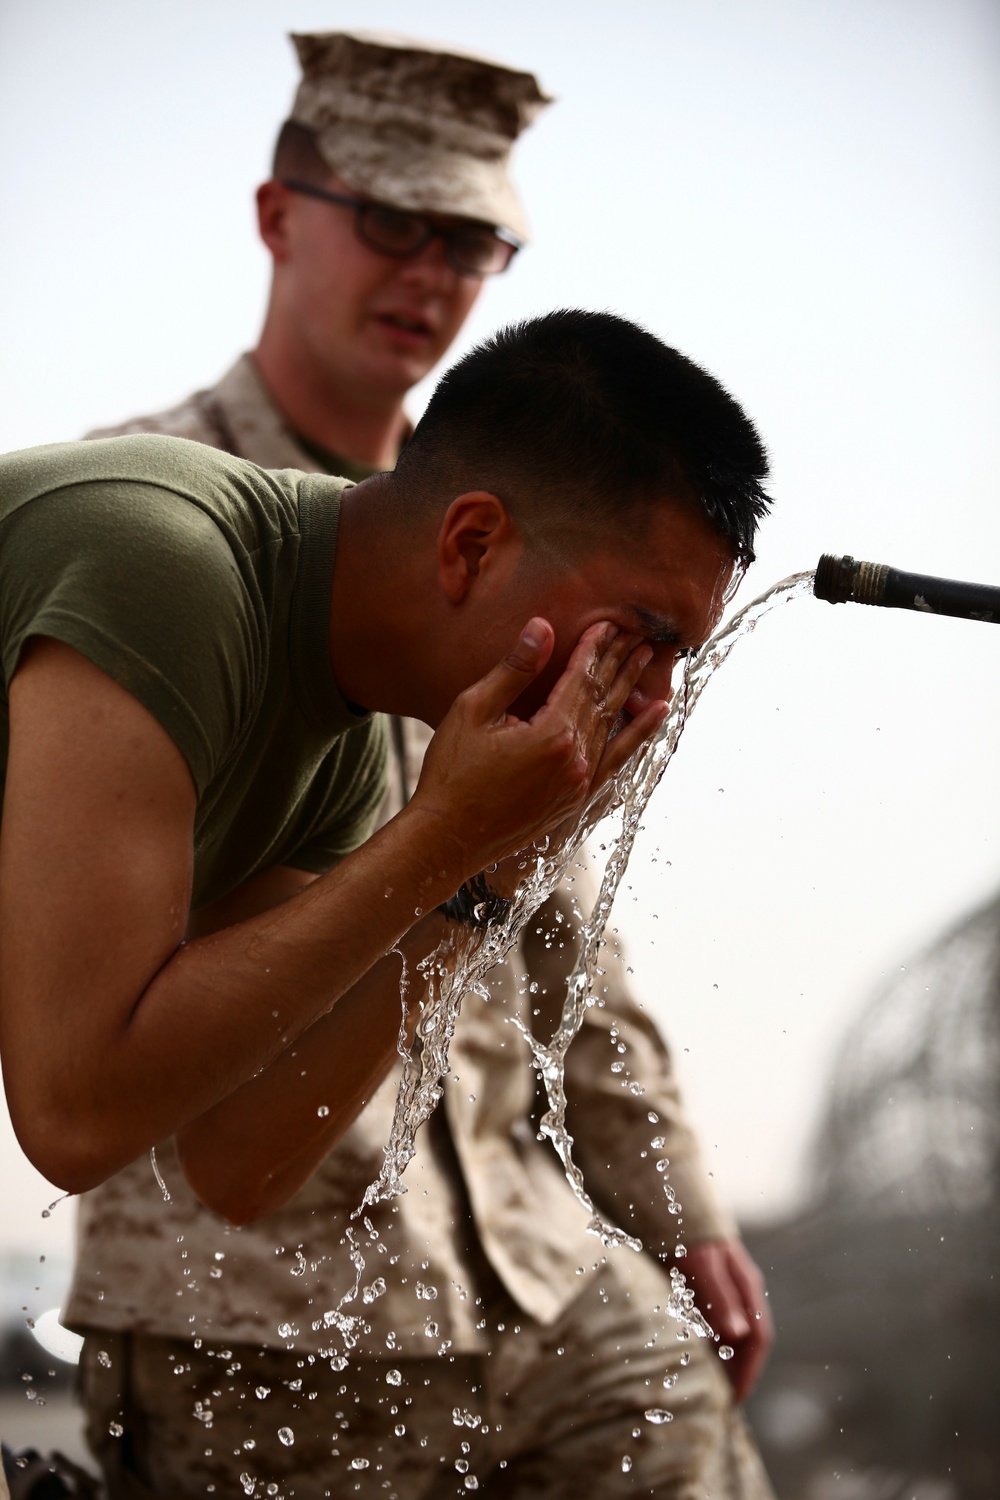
<point x="431" y="266"/>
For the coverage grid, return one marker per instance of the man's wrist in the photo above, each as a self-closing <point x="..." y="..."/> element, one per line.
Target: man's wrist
<point x="476" y="904"/>
<point x="436" y="857"/>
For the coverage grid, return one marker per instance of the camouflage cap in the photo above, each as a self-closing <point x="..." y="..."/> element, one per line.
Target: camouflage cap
<point x="417" y="125"/>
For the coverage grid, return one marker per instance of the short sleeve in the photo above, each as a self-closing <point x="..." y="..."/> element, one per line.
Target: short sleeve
<point x="349" y="792"/>
<point x="142" y="583"/>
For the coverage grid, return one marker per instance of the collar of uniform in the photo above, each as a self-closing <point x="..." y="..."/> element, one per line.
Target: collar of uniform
<point x="309" y="638"/>
<point x="259" y="432"/>
<point x="257" y="428"/>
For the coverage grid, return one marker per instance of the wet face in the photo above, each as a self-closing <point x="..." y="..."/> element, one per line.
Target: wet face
<point x="374" y="324"/>
<point x="666" y="586"/>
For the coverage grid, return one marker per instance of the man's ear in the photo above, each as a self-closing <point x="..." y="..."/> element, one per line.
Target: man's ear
<point x="475" y="540"/>
<point x="272" y="213"/>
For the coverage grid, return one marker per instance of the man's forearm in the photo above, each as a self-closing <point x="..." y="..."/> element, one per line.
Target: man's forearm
<point x="250" y="1153"/>
<point x="114" y="1033"/>
<point x="224" y="1007"/>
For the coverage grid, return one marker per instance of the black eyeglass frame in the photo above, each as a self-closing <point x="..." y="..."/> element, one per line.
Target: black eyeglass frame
<point x="450" y="235"/>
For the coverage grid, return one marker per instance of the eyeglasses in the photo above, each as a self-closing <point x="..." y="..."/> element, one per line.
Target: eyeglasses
<point x="470" y="249"/>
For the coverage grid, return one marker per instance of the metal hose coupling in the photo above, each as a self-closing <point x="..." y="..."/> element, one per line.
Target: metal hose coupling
<point x="842" y="580"/>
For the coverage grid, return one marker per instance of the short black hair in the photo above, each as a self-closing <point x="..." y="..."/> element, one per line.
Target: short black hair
<point x="580" y="418"/>
<point x="297" y="155"/>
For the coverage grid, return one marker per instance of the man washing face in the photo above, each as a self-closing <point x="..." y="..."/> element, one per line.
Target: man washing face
<point x="352" y="323"/>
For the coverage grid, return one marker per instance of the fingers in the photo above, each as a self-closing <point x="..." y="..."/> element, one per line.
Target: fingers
<point x="591" y="671"/>
<point x="729" y="1289"/>
<point x="495" y="692"/>
<point x="717" y="1295"/>
<point x="600" y="675"/>
<point x="630" y="738"/>
<point x="753" y="1350"/>
<point x="746" y="1364"/>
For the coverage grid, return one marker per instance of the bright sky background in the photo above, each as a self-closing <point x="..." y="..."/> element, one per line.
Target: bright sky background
<point x="803" y="196"/>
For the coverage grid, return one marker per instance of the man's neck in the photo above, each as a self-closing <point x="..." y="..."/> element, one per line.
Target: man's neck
<point x="367" y="434"/>
<point x="383" y="619"/>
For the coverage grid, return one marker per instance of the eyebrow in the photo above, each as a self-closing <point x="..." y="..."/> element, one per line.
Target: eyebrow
<point x="655" y="627"/>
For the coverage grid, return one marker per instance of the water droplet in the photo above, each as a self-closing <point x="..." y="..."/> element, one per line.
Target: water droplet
<point x="286" y="1436"/>
<point x="156" y="1173"/>
<point x="399" y="1430"/>
<point x="358" y="1463"/>
<point x="262" y="1392"/>
<point x="471" y="1482"/>
<point x="394" y="1377"/>
<point x="323" y="1111"/>
<point x="626" y="1464"/>
<point x="657" y="1415"/>
<point x="116" y="1429"/>
<point x="104" y="1358"/>
<point x="725" y="1352"/>
<point x="286" y="1331"/>
<point x="248" y="1482"/>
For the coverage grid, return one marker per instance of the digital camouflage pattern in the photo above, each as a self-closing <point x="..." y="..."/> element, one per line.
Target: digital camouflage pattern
<point x="544" y="1413"/>
<point x="419" y="128"/>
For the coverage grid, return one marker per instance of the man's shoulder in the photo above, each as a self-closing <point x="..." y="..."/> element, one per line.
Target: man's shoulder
<point x="202" y="417"/>
<point x="238" y="415"/>
<point x="190" y="418"/>
<point x="148" y="485"/>
<point x="159" y="458"/>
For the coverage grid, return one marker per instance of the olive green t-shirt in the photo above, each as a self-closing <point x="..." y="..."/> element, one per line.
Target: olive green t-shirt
<point x="202" y="584"/>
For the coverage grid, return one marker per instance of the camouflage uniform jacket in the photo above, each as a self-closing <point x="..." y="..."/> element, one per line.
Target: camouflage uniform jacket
<point x="484" y="1197"/>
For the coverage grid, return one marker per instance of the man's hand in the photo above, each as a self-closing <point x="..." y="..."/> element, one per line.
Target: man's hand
<point x="729" y="1290"/>
<point x="500" y="782"/>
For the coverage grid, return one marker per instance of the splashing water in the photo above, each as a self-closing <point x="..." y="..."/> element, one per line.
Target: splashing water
<point x="460" y="964"/>
<point x="159" y="1175"/>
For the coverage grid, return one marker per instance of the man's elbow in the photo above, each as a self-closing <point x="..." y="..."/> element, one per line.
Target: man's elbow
<point x="72" y="1152"/>
<point x="229" y="1189"/>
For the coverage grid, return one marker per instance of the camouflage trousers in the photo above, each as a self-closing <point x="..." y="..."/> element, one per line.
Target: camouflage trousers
<point x="606" y="1402"/>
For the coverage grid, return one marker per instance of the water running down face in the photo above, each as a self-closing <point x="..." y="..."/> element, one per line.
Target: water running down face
<point x="667" y="589"/>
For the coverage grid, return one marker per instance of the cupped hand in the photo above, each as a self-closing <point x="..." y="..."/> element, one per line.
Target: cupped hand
<point x="729" y="1290"/>
<point x="500" y="782"/>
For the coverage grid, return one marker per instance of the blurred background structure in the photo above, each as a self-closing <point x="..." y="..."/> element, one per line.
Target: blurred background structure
<point x="804" y="195"/>
<point x="884" y="1381"/>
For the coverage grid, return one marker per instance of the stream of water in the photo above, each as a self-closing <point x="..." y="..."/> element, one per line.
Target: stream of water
<point x="462" y="963"/>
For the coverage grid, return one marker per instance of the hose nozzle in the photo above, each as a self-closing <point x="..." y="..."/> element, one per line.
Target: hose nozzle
<point x="842" y="580"/>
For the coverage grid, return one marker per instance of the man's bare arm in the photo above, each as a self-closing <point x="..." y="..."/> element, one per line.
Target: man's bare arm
<point x="113" y="1032"/>
<point x="254" y="1150"/>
